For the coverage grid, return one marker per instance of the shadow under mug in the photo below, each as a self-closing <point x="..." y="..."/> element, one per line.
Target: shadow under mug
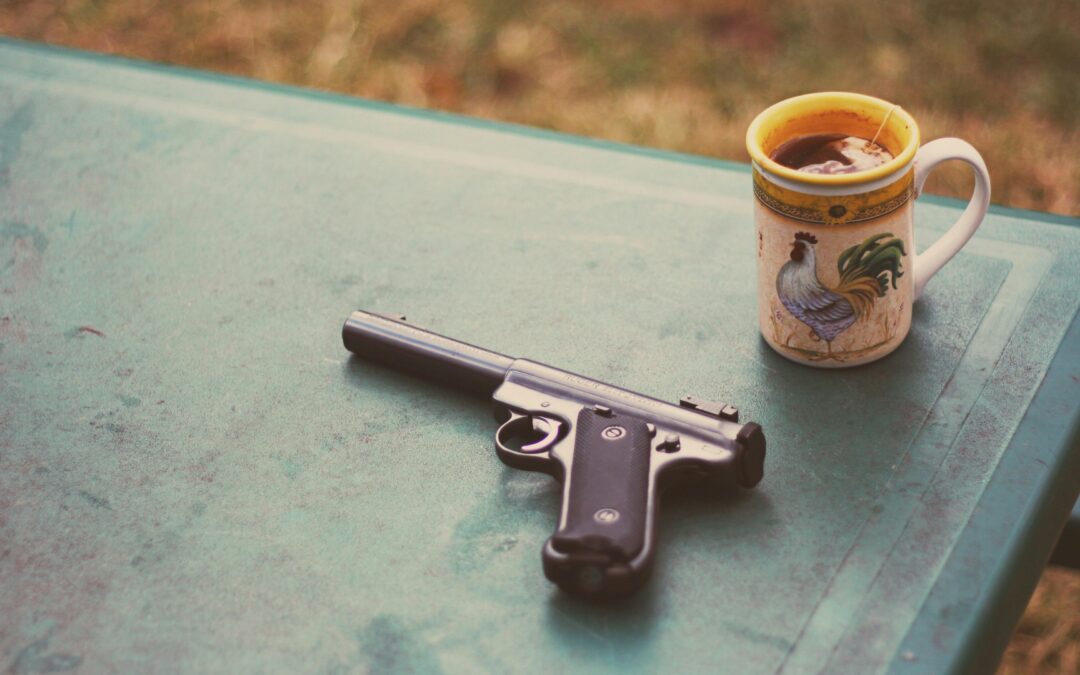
<point x="836" y="262"/>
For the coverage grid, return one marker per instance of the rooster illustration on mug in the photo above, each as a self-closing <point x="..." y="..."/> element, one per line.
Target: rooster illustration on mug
<point x="866" y="272"/>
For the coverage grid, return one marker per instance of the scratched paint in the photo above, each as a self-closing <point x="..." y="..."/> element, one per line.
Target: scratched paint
<point x="12" y="131"/>
<point x="391" y="647"/>
<point x="37" y="658"/>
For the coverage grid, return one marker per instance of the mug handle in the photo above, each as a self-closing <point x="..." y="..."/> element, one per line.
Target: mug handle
<point x="926" y="160"/>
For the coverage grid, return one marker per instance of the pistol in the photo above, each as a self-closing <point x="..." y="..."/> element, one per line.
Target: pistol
<point x="612" y="449"/>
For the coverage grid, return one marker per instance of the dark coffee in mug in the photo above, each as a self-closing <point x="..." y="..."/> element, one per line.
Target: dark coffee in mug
<point x="830" y="154"/>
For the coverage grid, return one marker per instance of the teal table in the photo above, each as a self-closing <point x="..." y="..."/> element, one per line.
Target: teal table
<point x="194" y="475"/>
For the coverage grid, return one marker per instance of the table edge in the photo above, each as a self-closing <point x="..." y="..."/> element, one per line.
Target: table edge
<point x="1036" y="490"/>
<point x="501" y="126"/>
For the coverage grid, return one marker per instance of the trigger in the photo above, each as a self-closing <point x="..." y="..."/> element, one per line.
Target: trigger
<point x="550" y="429"/>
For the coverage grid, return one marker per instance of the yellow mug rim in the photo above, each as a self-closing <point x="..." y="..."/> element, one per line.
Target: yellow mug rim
<point x="797" y="106"/>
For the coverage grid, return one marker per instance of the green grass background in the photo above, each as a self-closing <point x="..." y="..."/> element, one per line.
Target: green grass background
<point x="685" y="75"/>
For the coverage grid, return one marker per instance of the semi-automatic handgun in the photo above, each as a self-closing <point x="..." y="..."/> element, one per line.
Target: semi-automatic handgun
<point x="612" y="449"/>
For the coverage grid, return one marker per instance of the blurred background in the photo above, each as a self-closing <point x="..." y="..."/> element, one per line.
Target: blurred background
<point x="685" y="75"/>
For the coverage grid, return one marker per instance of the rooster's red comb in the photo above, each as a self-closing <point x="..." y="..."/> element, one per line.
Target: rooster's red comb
<point x="805" y="236"/>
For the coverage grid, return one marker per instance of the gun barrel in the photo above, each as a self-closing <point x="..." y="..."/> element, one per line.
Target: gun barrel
<point x="398" y="345"/>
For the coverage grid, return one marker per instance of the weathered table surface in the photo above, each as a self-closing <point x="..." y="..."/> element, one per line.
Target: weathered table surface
<point x="194" y="476"/>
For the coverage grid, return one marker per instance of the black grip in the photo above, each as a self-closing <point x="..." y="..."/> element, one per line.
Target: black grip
<point x="608" y="496"/>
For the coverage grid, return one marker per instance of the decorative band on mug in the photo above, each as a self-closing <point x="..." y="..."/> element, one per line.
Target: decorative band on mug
<point x="838" y="209"/>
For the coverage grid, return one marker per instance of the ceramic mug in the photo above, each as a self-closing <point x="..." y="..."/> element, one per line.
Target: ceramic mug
<point x="836" y="262"/>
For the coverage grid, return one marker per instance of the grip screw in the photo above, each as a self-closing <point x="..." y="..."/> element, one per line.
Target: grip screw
<point x="613" y="432"/>
<point x="606" y="516"/>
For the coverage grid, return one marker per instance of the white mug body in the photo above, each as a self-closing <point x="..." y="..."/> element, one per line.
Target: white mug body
<point x="836" y="262"/>
<point x="835" y="295"/>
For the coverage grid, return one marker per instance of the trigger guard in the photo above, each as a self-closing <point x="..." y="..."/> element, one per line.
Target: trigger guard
<point x="552" y="431"/>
